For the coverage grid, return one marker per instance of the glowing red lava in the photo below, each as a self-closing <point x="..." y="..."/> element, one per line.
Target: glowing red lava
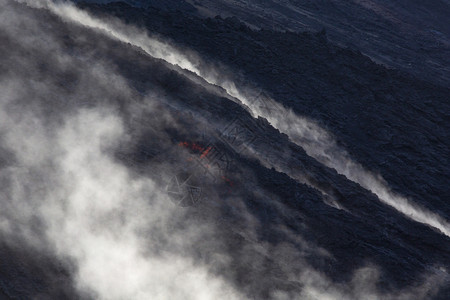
<point x="203" y="151"/>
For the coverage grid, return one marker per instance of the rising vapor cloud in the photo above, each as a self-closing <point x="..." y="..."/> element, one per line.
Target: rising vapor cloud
<point x="64" y="192"/>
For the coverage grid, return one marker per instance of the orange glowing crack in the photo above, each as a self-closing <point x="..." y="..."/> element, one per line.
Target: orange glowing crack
<point x="196" y="147"/>
<point x="205" y="152"/>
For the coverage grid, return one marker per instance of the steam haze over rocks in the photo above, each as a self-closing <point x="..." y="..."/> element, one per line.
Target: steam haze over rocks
<point x="224" y="149"/>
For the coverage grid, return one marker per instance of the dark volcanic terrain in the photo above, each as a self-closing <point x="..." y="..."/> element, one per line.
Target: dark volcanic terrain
<point x="413" y="36"/>
<point x="224" y="189"/>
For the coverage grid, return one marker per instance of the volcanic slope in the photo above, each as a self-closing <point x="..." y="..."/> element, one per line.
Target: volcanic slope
<point x="279" y="215"/>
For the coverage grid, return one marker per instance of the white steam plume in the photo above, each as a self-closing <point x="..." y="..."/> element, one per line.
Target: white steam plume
<point x="316" y="141"/>
<point x="62" y="190"/>
<point x="99" y="226"/>
<point x="94" y="212"/>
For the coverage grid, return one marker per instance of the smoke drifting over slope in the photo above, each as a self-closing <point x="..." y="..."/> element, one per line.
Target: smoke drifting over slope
<point x="316" y="141"/>
<point x="63" y="117"/>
